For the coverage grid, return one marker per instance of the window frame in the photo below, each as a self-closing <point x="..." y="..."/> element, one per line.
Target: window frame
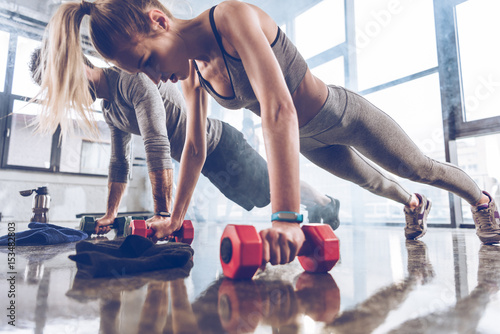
<point x="448" y="68"/>
<point x="7" y="102"/>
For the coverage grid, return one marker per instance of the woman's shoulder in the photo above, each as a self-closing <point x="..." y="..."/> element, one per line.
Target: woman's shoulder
<point x="236" y="9"/>
<point x="231" y="14"/>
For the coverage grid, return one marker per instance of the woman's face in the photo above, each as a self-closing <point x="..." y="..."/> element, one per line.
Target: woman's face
<point x="160" y="56"/>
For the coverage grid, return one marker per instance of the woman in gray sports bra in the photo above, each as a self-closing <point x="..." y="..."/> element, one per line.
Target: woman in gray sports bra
<point x="237" y="54"/>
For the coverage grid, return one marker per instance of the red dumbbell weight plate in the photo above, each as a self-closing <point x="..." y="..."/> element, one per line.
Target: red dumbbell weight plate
<point x="320" y="252"/>
<point x="240" y="251"/>
<point x="186" y="233"/>
<point x="139" y="227"/>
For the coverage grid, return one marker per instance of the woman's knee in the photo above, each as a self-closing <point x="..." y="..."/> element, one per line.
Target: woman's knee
<point x="426" y="172"/>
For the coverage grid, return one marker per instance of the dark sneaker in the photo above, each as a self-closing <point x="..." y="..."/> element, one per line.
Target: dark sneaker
<point x="416" y="220"/>
<point x="486" y="219"/>
<point x="330" y="213"/>
<point x="313" y="214"/>
<point x="326" y="214"/>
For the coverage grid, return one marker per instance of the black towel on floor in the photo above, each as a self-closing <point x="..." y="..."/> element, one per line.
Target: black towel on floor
<point x="44" y="234"/>
<point x="124" y="257"/>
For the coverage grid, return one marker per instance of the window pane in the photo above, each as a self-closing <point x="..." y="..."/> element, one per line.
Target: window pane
<point x="416" y="106"/>
<point x="23" y="85"/>
<point x="25" y="147"/>
<point x="4" y="52"/>
<point x="79" y="154"/>
<point x="477" y="23"/>
<point x="95" y="157"/>
<point x="480" y="158"/>
<point x="331" y="72"/>
<point x="394" y="39"/>
<point x="320" y="28"/>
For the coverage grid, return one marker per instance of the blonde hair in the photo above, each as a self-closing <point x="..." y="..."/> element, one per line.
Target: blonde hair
<point x="63" y="89"/>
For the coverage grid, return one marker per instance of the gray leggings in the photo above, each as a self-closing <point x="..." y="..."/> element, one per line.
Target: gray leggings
<point x="348" y="129"/>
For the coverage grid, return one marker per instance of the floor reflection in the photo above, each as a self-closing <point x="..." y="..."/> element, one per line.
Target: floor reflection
<point x="383" y="284"/>
<point x="465" y="316"/>
<point x="162" y="288"/>
<point x="370" y="314"/>
<point x="243" y="305"/>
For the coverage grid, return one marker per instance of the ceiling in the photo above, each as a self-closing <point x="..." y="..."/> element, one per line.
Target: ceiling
<point x="37" y="13"/>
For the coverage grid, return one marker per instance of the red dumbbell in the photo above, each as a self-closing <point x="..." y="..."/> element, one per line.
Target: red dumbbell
<point x="184" y="235"/>
<point x="241" y="250"/>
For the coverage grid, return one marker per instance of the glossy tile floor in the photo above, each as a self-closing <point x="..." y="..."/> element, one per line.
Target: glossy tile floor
<point x="446" y="283"/>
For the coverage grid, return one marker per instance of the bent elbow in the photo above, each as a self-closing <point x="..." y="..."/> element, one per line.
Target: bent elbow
<point x="196" y="153"/>
<point x="279" y="114"/>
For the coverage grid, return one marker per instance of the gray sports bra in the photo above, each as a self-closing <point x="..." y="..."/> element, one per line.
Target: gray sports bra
<point x="291" y="62"/>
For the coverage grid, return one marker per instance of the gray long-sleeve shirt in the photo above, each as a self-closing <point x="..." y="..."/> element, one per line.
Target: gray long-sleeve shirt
<point x="155" y="112"/>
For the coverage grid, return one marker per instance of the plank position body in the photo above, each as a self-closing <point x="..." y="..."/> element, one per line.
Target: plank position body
<point x="236" y="53"/>
<point x="133" y="104"/>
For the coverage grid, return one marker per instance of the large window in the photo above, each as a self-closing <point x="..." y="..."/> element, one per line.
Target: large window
<point x="432" y="65"/>
<point x="394" y="39"/>
<point x="320" y="28"/>
<point x="477" y="25"/>
<point x="22" y="147"/>
<point x="22" y="84"/>
<point x="27" y="148"/>
<point x="82" y="154"/>
<point x="480" y="158"/>
<point x="331" y="72"/>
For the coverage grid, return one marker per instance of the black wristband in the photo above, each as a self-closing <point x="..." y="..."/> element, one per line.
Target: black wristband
<point x="162" y="213"/>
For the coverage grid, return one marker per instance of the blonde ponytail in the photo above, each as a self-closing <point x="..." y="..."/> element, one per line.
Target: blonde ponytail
<point x="64" y="93"/>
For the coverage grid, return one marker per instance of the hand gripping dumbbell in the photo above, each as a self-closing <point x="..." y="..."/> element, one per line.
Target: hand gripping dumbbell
<point x="241" y="250"/>
<point x="139" y="227"/>
<point x="88" y="223"/>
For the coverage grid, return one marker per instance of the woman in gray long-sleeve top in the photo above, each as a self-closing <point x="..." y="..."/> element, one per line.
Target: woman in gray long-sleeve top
<point x="133" y="104"/>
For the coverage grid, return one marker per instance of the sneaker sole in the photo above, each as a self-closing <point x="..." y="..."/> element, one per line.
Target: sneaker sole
<point x="488" y="241"/>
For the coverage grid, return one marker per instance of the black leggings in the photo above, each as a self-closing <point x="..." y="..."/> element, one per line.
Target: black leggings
<point x="238" y="171"/>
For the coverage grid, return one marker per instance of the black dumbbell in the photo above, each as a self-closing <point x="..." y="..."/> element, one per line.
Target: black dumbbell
<point x="88" y="223"/>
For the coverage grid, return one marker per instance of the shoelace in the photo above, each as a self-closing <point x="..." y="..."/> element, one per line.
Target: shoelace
<point x="412" y="219"/>
<point x="484" y="218"/>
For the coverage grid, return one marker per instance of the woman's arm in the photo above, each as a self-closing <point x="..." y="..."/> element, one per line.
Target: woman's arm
<point x="193" y="154"/>
<point x="195" y="146"/>
<point x="243" y="26"/>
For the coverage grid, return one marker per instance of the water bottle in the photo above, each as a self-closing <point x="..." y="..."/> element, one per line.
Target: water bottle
<point x="41" y="204"/>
